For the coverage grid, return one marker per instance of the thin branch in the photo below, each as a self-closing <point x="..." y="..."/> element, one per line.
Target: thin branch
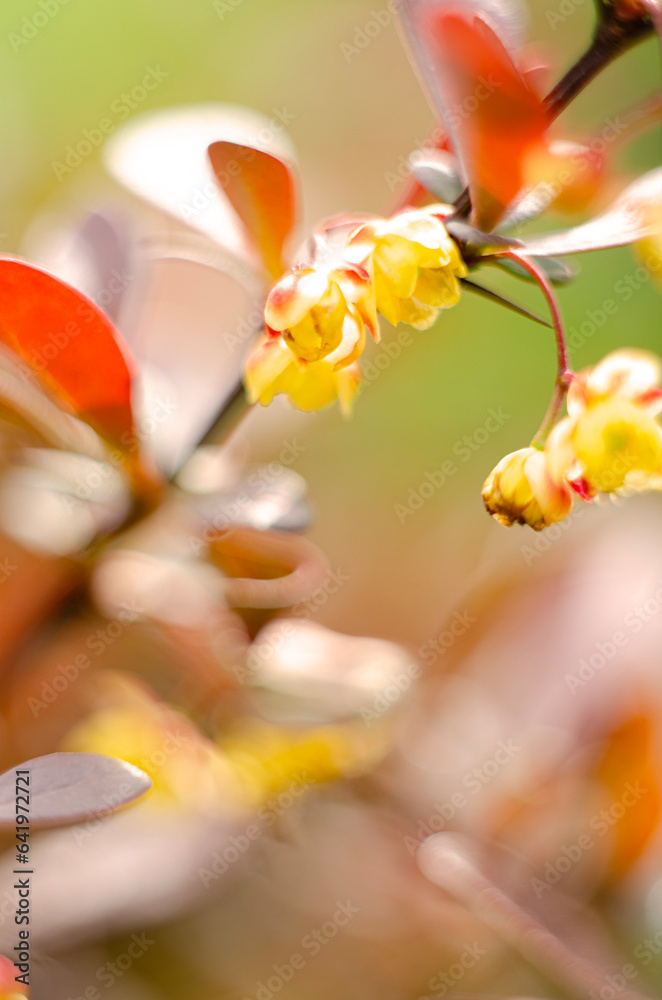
<point x="612" y="38"/>
<point x="564" y="374"/>
<point x="446" y="861"/>
<point x="229" y="416"/>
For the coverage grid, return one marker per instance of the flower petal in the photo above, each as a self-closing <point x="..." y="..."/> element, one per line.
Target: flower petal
<point x="291" y="298"/>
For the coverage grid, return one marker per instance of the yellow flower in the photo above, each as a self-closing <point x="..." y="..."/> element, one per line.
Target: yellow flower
<point x="322" y="310"/>
<point x="612" y="439"/>
<point x="521" y="489"/>
<point x="188" y="770"/>
<point x="609" y="440"/>
<point x="273" y="369"/>
<point x="416" y="265"/>
<point x="624" y="374"/>
<point x="269" y="758"/>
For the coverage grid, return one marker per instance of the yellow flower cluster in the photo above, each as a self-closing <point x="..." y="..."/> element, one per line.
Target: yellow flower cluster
<point x="316" y="317"/>
<point x="608" y="442"/>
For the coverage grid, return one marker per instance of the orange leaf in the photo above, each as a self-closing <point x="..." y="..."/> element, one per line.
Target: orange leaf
<point x="493" y="117"/>
<point x="69" y="343"/>
<point x="262" y="190"/>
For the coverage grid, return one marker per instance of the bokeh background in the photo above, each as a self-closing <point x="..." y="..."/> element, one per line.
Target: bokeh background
<point x="538" y="607"/>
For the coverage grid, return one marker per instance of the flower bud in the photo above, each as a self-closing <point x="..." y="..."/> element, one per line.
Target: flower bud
<point x="521" y="489"/>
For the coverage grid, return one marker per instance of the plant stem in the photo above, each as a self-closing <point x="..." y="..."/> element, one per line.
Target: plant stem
<point x="447" y="860"/>
<point x="612" y="37"/>
<point x="564" y="374"/>
<point x="231" y="413"/>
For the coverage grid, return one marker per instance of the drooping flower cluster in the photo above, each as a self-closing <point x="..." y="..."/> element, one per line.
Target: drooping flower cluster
<point x="609" y="442"/>
<point x="317" y="317"/>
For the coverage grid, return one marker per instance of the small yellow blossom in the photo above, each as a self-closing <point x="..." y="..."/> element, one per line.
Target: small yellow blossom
<point x="624" y="374"/>
<point x="614" y="438"/>
<point x="610" y="440"/>
<point x="273" y="369"/>
<point x="323" y="310"/>
<point x="521" y="489"/>
<point x="416" y="265"/>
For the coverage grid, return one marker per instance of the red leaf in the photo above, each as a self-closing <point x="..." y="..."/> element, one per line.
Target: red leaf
<point x="262" y="190"/>
<point x="69" y="343"/>
<point x="493" y="117"/>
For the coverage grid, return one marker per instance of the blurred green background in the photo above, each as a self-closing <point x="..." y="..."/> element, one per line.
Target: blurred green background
<point x="355" y="117"/>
